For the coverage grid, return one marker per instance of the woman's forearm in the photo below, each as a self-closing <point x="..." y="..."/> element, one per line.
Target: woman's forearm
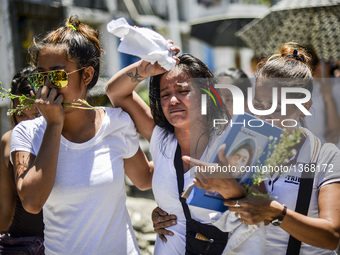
<point x="314" y="231"/>
<point x="35" y="175"/>
<point x="123" y="83"/>
<point x="322" y="232"/>
<point x="139" y="170"/>
<point x="120" y="91"/>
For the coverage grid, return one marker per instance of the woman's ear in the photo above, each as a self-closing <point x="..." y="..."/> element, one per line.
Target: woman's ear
<point x="87" y="75"/>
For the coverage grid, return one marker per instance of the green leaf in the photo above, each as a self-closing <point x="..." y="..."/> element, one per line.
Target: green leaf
<point x="26" y="102"/>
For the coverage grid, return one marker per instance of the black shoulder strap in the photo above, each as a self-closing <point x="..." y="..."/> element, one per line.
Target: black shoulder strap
<point x="180" y="180"/>
<point x="303" y="199"/>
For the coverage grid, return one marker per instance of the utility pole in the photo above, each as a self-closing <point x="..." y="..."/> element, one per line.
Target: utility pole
<point x="174" y="25"/>
<point x="7" y="65"/>
<point x="6" y="46"/>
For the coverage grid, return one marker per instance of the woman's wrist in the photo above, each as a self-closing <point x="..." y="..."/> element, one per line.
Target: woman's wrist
<point x="143" y="69"/>
<point x="232" y="190"/>
<point x="275" y="210"/>
<point x="56" y="126"/>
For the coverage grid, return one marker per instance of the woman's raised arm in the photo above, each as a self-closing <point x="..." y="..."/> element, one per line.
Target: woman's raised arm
<point x="120" y="90"/>
<point x="34" y="175"/>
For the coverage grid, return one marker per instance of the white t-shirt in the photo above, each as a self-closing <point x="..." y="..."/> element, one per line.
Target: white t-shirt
<point x="285" y="190"/>
<point x="165" y="190"/>
<point x="85" y="212"/>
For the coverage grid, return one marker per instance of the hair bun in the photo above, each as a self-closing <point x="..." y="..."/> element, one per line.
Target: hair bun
<point x="296" y="56"/>
<point x="73" y="22"/>
<point x="295" y="51"/>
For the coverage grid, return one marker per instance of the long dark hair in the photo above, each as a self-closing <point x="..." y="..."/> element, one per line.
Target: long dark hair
<point x="197" y="70"/>
<point x="21" y="86"/>
<point x="239" y="78"/>
<point x="79" y="41"/>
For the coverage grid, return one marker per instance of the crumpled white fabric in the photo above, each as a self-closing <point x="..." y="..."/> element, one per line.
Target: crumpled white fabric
<point x="142" y="42"/>
<point x="243" y="239"/>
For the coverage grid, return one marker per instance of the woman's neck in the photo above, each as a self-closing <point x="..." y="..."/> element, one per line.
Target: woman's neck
<point x="196" y="139"/>
<point x="192" y="141"/>
<point x="81" y="125"/>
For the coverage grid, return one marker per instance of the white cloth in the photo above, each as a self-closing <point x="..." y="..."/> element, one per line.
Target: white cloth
<point x="142" y="42"/>
<point x="285" y="190"/>
<point x="85" y="212"/>
<point x="242" y="238"/>
<point x="165" y="189"/>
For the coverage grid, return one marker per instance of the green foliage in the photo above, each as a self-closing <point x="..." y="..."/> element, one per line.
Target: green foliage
<point x="269" y="3"/>
<point x="26" y="102"/>
<point x="278" y="154"/>
<point x="80" y="104"/>
<point x="144" y="94"/>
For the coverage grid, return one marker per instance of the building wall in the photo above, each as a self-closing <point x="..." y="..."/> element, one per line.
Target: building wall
<point x="7" y="60"/>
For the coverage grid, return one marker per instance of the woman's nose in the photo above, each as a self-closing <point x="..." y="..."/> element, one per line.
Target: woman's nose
<point x="47" y="82"/>
<point x="174" y="99"/>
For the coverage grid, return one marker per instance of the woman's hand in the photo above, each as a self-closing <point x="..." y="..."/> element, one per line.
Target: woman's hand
<point x="146" y="69"/>
<point x="255" y="208"/>
<point x="162" y="220"/>
<point x="49" y="104"/>
<point x="222" y="182"/>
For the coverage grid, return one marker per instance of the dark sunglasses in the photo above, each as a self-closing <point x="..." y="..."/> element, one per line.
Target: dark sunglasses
<point x="58" y="78"/>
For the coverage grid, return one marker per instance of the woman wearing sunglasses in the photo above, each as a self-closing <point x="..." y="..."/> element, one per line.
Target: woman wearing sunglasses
<point x="71" y="161"/>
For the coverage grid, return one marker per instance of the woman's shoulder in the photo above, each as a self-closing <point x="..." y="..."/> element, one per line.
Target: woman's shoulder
<point x="34" y="124"/>
<point x="162" y="142"/>
<point x="160" y="133"/>
<point x="39" y="121"/>
<point x="330" y="151"/>
<point x="6" y="138"/>
<point x="5" y="147"/>
<point x="327" y="150"/>
<point x="328" y="165"/>
<point x="117" y="114"/>
<point x="117" y="121"/>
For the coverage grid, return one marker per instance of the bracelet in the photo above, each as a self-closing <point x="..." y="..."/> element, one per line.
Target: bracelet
<point x="278" y="221"/>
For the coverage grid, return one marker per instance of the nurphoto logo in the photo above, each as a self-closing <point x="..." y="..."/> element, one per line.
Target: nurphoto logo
<point x="280" y="97"/>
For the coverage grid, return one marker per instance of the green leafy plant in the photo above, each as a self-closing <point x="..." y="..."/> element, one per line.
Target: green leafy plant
<point x="26" y="102"/>
<point x="279" y="154"/>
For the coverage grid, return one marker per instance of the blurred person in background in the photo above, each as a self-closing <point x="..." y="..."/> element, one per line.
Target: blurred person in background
<point x="14" y="219"/>
<point x="234" y="76"/>
<point x="325" y="119"/>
